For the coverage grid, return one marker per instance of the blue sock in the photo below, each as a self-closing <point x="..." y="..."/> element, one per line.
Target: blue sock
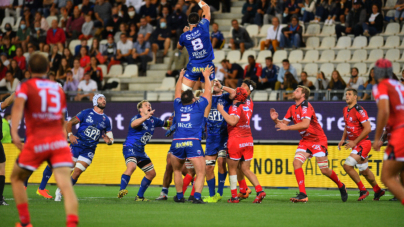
<point x="47" y="173"/>
<point x="180" y="195"/>
<point x="74" y="181"/>
<point x="165" y="190"/>
<point x="211" y="185"/>
<point x="143" y="186"/>
<point x="124" y="181"/>
<point x="197" y="195"/>
<point x="222" y="180"/>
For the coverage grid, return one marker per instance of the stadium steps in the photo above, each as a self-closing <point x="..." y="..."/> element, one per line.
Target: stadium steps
<point x="129" y="97"/>
<point x="236" y="9"/>
<point x="157" y="74"/>
<point x="238" y="4"/>
<point x="144" y="86"/>
<point x="228" y="16"/>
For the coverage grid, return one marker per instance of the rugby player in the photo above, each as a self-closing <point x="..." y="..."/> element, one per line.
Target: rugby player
<point x="240" y="144"/>
<point x="196" y="39"/>
<point x="357" y="129"/>
<point x="389" y="95"/>
<point x="93" y="122"/>
<point x="187" y="137"/>
<point x="3" y="107"/>
<point x="141" y="130"/>
<point x="313" y="142"/>
<point x="43" y="103"/>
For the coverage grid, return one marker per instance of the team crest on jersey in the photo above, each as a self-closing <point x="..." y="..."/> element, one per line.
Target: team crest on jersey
<point x="298" y="116"/>
<point x="248" y="102"/>
<point x="362" y="113"/>
<point x="89" y="119"/>
<point x="103" y="118"/>
<point x="91" y="155"/>
<point x="199" y="152"/>
<point x="152" y="121"/>
<point x="91" y="113"/>
<point x="234" y="107"/>
<point x="304" y="109"/>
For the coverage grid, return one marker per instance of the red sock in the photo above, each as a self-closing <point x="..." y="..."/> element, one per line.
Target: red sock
<point x="360" y="186"/>
<point x="72" y="220"/>
<point x="376" y="188"/>
<point x="258" y="188"/>
<point x="23" y="213"/>
<point x="234" y="193"/>
<point x="193" y="190"/>
<point x="243" y="186"/>
<point x="334" y="178"/>
<point x="300" y="180"/>
<point x="187" y="179"/>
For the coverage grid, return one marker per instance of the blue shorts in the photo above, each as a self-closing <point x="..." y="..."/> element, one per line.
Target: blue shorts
<point x="194" y="71"/>
<point x="80" y="153"/>
<point x="215" y="143"/>
<point x="186" y="149"/>
<point x="136" y="152"/>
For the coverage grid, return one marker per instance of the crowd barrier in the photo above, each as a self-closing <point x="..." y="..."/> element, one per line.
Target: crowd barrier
<point x="273" y="165"/>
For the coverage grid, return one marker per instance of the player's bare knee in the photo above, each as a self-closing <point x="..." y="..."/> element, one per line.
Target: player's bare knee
<point x="326" y="171"/>
<point x="151" y="174"/>
<point x="210" y="169"/>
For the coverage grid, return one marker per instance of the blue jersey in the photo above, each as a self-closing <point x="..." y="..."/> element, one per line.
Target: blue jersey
<point x="143" y="133"/>
<point x="189" y="119"/>
<point x="218" y="35"/>
<point x="216" y="124"/>
<point x="198" y="43"/>
<point x="92" y="124"/>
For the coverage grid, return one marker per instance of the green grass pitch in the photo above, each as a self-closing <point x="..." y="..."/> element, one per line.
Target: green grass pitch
<point x="98" y="206"/>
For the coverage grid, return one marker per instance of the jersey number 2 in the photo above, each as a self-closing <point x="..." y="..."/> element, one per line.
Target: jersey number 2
<point x="55" y="98"/>
<point x="197" y="44"/>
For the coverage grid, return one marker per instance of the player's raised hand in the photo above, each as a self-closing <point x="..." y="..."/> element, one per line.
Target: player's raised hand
<point x="281" y="127"/>
<point x="150" y="113"/>
<point x="182" y="73"/>
<point x="274" y="114"/>
<point x="17" y="142"/>
<point x="377" y="144"/>
<point x="350" y="144"/>
<point x="217" y="83"/>
<point x="73" y="139"/>
<point x="106" y="139"/>
<point x="207" y="71"/>
<point x="220" y="106"/>
<point x="340" y="144"/>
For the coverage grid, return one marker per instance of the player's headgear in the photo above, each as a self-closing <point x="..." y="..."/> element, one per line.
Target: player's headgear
<point x="95" y="99"/>
<point x="241" y="94"/>
<point x="383" y="69"/>
<point x="251" y="84"/>
<point x="193" y="19"/>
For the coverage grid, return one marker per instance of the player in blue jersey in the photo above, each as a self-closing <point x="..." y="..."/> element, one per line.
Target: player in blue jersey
<point x="141" y="130"/>
<point x="196" y="39"/>
<point x="94" y="124"/>
<point x="187" y="137"/>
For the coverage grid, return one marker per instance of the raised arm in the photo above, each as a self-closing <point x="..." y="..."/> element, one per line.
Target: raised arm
<point x="208" y="89"/>
<point x="230" y="119"/>
<point x="205" y="9"/>
<point x="178" y="86"/>
<point x="136" y="123"/>
<point x="274" y="117"/>
<point x="8" y="101"/>
<point x="229" y="90"/>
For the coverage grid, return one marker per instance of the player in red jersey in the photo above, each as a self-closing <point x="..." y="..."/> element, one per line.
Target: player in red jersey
<point x="240" y="144"/>
<point x="313" y="142"/>
<point x="43" y="103"/>
<point x="357" y="129"/>
<point x="389" y="95"/>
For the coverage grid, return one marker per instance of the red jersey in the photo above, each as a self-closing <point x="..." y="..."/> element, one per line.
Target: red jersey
<point x="44" y="107"/>
<point x="305" y="110"/>
<point x="354" y="118"/>
<point x="242" y="128"/>
<point x="250" y="104"/>
<point x="393" y="91"/>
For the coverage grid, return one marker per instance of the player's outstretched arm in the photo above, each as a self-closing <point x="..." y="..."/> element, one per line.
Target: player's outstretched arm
<point x="178" y="86"/>
<point x="208" y="89"/>
<point x="69" y="126"/>
<point x="136" y="123"/>
<point x="274" y="117"/>
<point x="205" y="9"/>
<point x="9" y="100"/>
<point x="230" y="119"/>
<point x="366" y="130"/>
<point x="16" y="115"/>
<point x="304" y="124"/>
<point x="382" y="118"/>
<point x="231" y="91"/>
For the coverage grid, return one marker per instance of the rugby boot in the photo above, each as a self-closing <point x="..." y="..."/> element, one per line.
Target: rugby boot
<point x="218" y="197"/>
<point x="162" y="197"/>
<point x="199" y="201"/>
<point x="209" y="199"/>
<point x="141" y="199"/>
<point x="245" y="195"/>
<point x="380" y="194"/>
<point x="3" y="202"/>
<point x="233" y="200"/>
<point x="182" y="200"/>
<point x="393" y="199"/>
<point x="122" y="193"/>
<point x="260" y="196"/>
<point x="344" y="194"/>
<point x="363" y="195"/>
<point x="44" y="193"/>
<point x="191" y="198"/>
<point x="301" y="197"/>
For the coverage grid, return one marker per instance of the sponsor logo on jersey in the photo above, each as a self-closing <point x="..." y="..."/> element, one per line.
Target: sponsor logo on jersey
<point x="245" y="108"/>
<point x="184" y="125"/>
<point x="47" y="84"/>
<point x="304" y="109"/>
<point x="186" y="109"/>
<point x="50" y="146"/>
<point x="89" y="119"/>
<point x="249" y="144"/>
<point x="193" y="35"/>
<point x="91" y="113"/>
<point x="298" y="116"/>
<point x="102" y="124"/>
<point x="214" y="115"/>
<point x="199" y="54"/>
<point x="184" y="144"/>
<point x="197" y="69"/>
<point x="362" y="113"/>
<point x="145" y="126"/>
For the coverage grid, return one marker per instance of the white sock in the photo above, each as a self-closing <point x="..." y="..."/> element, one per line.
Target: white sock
<point x="233" y="182"/>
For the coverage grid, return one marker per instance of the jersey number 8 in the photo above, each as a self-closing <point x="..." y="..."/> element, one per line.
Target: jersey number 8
<point x="197" y="44"/>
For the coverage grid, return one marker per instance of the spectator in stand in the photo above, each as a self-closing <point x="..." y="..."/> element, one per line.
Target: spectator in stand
<point x="23" y="36"/>
<point x="10" y="83"/>
<point x="28" y="17"/>
<point x="64" y="17"/>
<point x="367" y="86"/>
<point x="71" y="84"/>
<point x="87" y="28"/>
<point x="58" y="4"/>
<point x="269" y="75"/>
<point x="109" y="52"/>
<point x="141" y="53"/>
<point x="232" y="73"/>
<point x="356" y="17"/>
<point x="262" y="7"/>
<point x="274" y="10"/>
<point x="4" y="59"/>
<point x="84" y="58"/>
<point x="14" y="9"/>
<point x="75" y="24"/>
<point x="374" y="23"/>
<point x="149" y="12"/>
<point x="249" y="11"/>
<point x="95" y="48"/>
<point x="124" y="50"/>
<point x="116" y="20"/>
<point x="38" y="36"/>
<point x="292" y="35"/>
<point x="291" y="10"/>
<point x="307" y="8"/>
<point x="273" y="36"/>
<point x="46" y="48"/>
<point x="87" y="8"/>
<point x="96" y="72"/>
<point x="69" y="57"/>
<point x="56" y="35"/>
<point x="240" y="38"/>
<point x="52" y="77"/>
<point x="78" y="47"/>
<point x="305" y="82"/>
<point x="132" y="34"/>
<point x="321" y="10"/>
<point x="355" y="80"/>
<point x="336" y="84"/>
<point x="145" y="29"/>
<point x="320" y="84"/>
<point x="399" y="11"/>
<point x="3" y="70"/>
<point x="78" y="71"/>
<point x="63" y="68"/>
<point x="161" y="37"/>
<point x="180" y="60"/>
<point x="102" y="13"/>
<point x="177" y="21"/>
<point x="15" y="70"/>
<point x="217" y="37"/>
<point x="289" y="85"/>
<point x="42" y="21"/>
<point x="134" y="17"/>
<point x="122" y="29"/>
<point x="31" y="50"/>
<point x="87" y="86"/>
<point x="10" y="33"/>
<point x="252" y="71"/>
<point x="165" y="13"/>
<point x="27" y="76"/>
<point x="334" y="11"/>
<point x="21" y="61"/>
<point x="286" y="67"/>
<point x="7" y="47"/>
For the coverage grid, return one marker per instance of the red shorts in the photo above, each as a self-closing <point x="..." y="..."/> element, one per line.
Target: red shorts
<point x="315" y="149"/>
<point x="362" y="149"/>
<point x="238" y="148"/>
<point x="54" y="150"/>
<point x="395" y="147"/>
